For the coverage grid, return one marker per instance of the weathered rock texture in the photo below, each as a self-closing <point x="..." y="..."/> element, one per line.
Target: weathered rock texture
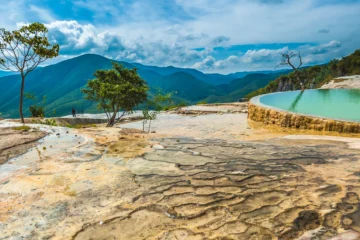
<point x="213" y="189"/>
<point x="15" y="142"/>
<point x="269" y="116"/>
<point x="106" y="183"/>
<point x="343" y="82"/>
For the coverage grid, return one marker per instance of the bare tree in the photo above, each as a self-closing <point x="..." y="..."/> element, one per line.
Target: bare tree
<point x="286" y="60"/>
<point x="23" y="50"/>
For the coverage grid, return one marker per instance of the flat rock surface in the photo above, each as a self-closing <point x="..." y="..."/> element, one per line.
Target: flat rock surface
<point x="215" y="108"/>
<point x="220" y="126"/>
<point x="343" y="82"/>
<point x="14" y="142"/>
<point x="195" y="178"/>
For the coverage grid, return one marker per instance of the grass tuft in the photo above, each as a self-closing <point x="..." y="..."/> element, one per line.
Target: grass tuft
<point x="21" y="128"/>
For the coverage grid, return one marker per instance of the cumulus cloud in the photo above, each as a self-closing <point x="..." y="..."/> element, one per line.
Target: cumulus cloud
<point x="322" y="48"/>
<point x="197" y="33"/>
<point x="210" y="63"/>
<point x="322" y="52"/>
<point x="75" y="38"/>
<point x="263" y="55"/>
<point x="220" y="41"/>
<point x="186" y="37"/>
<point x="332" y="44"/>
<point x="207" y="63"/>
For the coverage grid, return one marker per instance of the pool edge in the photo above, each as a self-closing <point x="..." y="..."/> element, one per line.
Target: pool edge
<point x="269" y="115"/>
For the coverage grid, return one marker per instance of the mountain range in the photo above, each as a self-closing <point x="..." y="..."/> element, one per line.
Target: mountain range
<point x="61" y="84"/>
<point x="6" y="73"/>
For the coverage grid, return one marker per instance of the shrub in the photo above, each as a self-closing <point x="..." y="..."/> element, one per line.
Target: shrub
<point x="36" y="111"/>
<point x="50" y="121"/>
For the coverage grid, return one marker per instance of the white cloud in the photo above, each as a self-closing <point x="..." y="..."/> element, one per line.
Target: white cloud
<point x="321" y="53"/>
<point x="220" y="41"/>
<point x="75" y="38"/>
<point x="207" y="63"/>
<point x="168" y="32"/>
<point x="210" y="63"/>
<point x="332" y="44"/>
<point x="263" y="55"/>
<point x="44" y="14"/>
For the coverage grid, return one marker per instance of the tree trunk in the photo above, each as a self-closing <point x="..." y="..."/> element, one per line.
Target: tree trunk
<point x="112" y="120"/>
<point x="21" y="98"/>
<point x="149" y="126"/>
<point x="301" y="82"/>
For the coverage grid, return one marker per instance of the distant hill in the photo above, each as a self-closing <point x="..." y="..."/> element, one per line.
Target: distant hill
<point x="5" y="73"/>
<point x="243" y="74"/>
<point x="186" y="86"/>
<point x="61" y="83"/>
<point x="315" y="76"/>
<point x="214" y="79"/>
<point x="240" y="87"/>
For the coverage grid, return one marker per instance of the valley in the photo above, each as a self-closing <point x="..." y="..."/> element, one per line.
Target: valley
<point x="61" y="84"/>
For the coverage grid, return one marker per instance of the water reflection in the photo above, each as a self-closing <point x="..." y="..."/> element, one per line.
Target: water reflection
<point x="354" y="95"/>
<point x="324" y="94"/>
<point x="296" y="101"/>
<point x="331" y="103"/>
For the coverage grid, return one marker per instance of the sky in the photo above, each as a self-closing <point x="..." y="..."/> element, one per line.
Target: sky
<point x="221" y="36"/>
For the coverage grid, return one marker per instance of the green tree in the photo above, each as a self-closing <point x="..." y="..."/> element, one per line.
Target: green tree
<point x="35" y="109"/>
<point x="116" y="89"/>
<point x="23" y="50"/>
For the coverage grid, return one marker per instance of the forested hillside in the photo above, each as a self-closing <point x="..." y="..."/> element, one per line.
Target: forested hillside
<point x="314" y="76"/>
<point x="61" y="84"/>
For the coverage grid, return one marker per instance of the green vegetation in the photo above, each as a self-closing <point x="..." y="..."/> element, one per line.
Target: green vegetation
<point x="50" y="122"/>
<point x="315" y="76"/>
<point x="46" y="121"/>
<point x="22" y="128"/>
<point x="175" y="105"/>
<point x="78" y="126"/>
<point x="116" y="89"/>
<point x="35" y="110"/>
<point x="23" y="50"/>
<point x="201" y="102"/>
<point x="62" y="84"/>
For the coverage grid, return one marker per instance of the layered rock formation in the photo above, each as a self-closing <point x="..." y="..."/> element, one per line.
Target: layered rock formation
<point x="270" y="116"/>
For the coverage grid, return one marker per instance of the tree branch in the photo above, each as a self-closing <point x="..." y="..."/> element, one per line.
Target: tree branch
<point x="119" y="118"/>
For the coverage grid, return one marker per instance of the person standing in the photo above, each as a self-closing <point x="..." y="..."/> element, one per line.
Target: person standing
<point x="73" y="112"/>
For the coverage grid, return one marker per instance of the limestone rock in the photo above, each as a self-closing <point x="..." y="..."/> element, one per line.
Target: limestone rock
<point x="158" y="147"/>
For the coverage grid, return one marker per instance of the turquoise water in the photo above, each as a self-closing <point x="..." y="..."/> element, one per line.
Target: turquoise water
<point x="341" y="104"/>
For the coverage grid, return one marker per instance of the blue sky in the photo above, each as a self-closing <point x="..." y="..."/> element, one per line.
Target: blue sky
<point x="210" y="35"/>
